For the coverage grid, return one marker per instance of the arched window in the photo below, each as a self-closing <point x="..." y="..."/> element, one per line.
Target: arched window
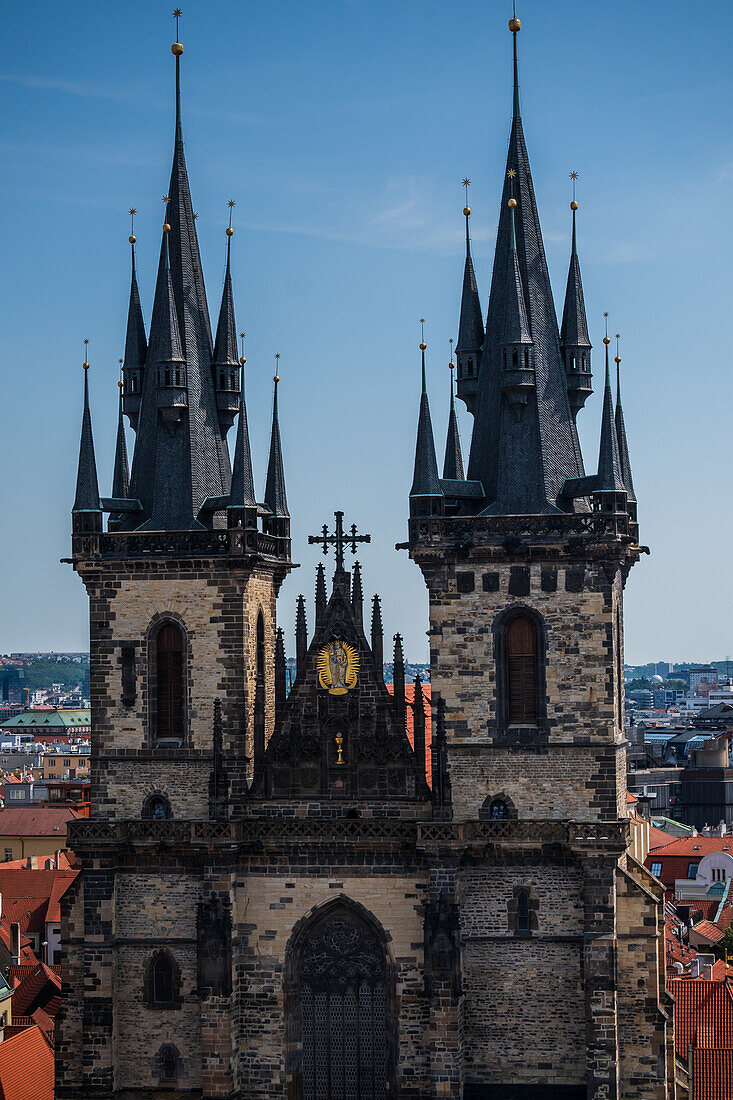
<point x="169" y="668"/>
<point x="157" y="808"/>
<point x="515" y="357"/>
<point x="340" y="1007"/>
<point x="523" y="911"/>
<point x="498" y="810"/>
<point x="522" y="672"/>
<point x="163" y="980"/>
<point x="168" y="1063"/>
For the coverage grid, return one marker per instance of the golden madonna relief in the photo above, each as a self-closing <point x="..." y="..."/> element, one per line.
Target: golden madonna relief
<point x="338" y="666"/>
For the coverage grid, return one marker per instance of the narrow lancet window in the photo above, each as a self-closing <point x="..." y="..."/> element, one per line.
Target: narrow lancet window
<point x="522" y="672"/>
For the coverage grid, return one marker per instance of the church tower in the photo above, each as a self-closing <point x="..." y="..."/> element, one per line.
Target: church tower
<point x="525" y="562"/>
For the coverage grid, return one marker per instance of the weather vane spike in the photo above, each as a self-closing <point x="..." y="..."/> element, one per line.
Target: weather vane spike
<point x="86" y="355"/>
<point x="242" y="358"/>
<point x="177" y="16"/>
<point x="573" y="177"/>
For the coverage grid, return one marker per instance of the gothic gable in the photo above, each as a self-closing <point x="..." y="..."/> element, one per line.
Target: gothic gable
<point x="338" y="734"/>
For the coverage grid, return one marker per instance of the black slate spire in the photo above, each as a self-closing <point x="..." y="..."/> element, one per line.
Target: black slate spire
<point x="623" y="447"/>
<point x="120" y="472"/>
<point x="398" y="679"/>
<point x="609" y="478"/>
<point x="87" y="499"/>
<point x="136" y="346"/>
<point x="425" y="482"/>
<point x="275" y="497"/>
<point x="225" y="365"/>
<point x="522" y="460"/>
<point x="576" y="345"/>
<point x="242" y="494"/>
<point x="280" y="684"/>
<point x="470" y="325"/>
<point x="418" y="727"/>
<point x="453" y="461"/>
<point x="180" y="455"/>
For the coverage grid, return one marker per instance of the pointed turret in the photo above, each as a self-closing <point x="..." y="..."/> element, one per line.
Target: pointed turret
<point x="225" y="366"/>
<point x="181" y="457"/>
<point x="576" y="345"/>
<point x="377" y="637"/>
<point x="453" y="461"/>
<point x="301" y="636"/>
<point x="609" y="494"/>
<point x="280" y="688"/>
<point x="470" y="325"/>
<point x="242" y="509"/>
<point x="278" y="522"/>
<point x="523" y="461"/>
<point x="357" y="593"/>
<point x="418" y="727"/>
<point x="426" y="495"/>
<point x="398" y="679"/>
<point x="87" y="512"/>
<point x="517" y="352"/>
<point x="623" y="447"/>
<point x="120" y="473"/>
<point x="321" y="598"/>
<point x="136" y="346"/>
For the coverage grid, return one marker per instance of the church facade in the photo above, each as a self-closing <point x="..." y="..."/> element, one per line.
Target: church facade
<point x="301" y="893"/>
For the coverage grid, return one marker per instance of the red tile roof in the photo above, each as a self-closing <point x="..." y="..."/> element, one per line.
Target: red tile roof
<point x="703" y="1014"/>
<point x="26" y="951"/>
<point x="27" y="1066"/>
<point x="32" y="897"/>
<point x="410" y="722"/>
<point x="631" y="798"/>
<point x="658" y="838"/>
<point x="37" y="821"/>
<point x="37" y="990"/>
<point x="710" y="931"/>
<point x="677" y="855"/>
<point x="712" y="1072"/>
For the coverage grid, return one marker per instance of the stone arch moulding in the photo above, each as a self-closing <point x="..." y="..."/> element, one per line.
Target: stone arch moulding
<point x="491" y="805"/>
<point x="315" y="983"/>
<point x="156" y="625"/>
<point x="537" y="724"/>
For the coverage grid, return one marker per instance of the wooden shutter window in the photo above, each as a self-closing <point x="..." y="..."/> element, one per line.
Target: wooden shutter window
<point x="522" y="672"/>
<point x="169" y="670"/>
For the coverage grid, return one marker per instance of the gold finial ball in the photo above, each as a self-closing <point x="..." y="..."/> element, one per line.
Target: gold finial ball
<point x="606" y="340"/>
<point x="166" y="228"/>
<point x="573" y="205"/>
<point x="230" y="231"/>
<point x="512" y="203"/>
<point x="120" y="384"/>
<point x="132" y="238"/>
<point x="276" y="378"/>
<point x="617" y="359"/>
<point x="177" y="49"/>
<point x="423" y="345"/>
<point x="466" y="210"/>
<point x="515" y="25"/>
<point x="242" y="361"/>
<point x="85" y="366"/>
<point x="452" y="365"/>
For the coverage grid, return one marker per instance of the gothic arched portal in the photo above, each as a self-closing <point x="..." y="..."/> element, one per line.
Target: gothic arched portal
<point x="340" y="1006"/>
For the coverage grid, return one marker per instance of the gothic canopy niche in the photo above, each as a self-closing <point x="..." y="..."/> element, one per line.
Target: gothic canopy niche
<point x="338" y="733"/>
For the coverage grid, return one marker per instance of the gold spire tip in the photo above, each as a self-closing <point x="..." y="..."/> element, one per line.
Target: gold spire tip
<point x="85" y="366"/>
<point x="466" y="210"/>
<point x="573" y="205"/>
<point x="512" y="203"/>
<point x="166" y="227"/>
<point x="606" y="339"/>
<point x="423" y="345"/>
<point x="229" y="231"/>
<point x="242" y="360"/>
<point x="120" y="384"/>
<point x="176" y="49"/>
<point x="515" y="24"/>
<point x="132" y="238"/>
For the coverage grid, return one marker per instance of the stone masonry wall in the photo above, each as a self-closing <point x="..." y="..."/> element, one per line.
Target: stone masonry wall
<point x="578" y="604"/>
<point x="217" y="603"/>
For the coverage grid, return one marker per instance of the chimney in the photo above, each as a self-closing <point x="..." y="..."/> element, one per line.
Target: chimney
<point x="14" y="943"/>
<point x="678" y="968"/>
<point x="707" y="972"/>
<point x="57" y="857"/>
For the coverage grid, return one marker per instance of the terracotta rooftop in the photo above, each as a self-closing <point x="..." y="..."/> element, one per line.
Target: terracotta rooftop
<point x="38" y="990"/>
<point x="37" y="821"/>
<point x="27" y="1066"/>
<point x="712" y="1072"/>
<point x="710" y="931"/>
<point x="703" y="1015"/>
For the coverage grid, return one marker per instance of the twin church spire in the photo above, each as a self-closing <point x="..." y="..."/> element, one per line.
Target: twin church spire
<point x="182" y="392"/>
<point x="523" y="377"/>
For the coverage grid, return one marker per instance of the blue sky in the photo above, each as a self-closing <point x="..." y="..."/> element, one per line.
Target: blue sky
<point x="343" y="129"/>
